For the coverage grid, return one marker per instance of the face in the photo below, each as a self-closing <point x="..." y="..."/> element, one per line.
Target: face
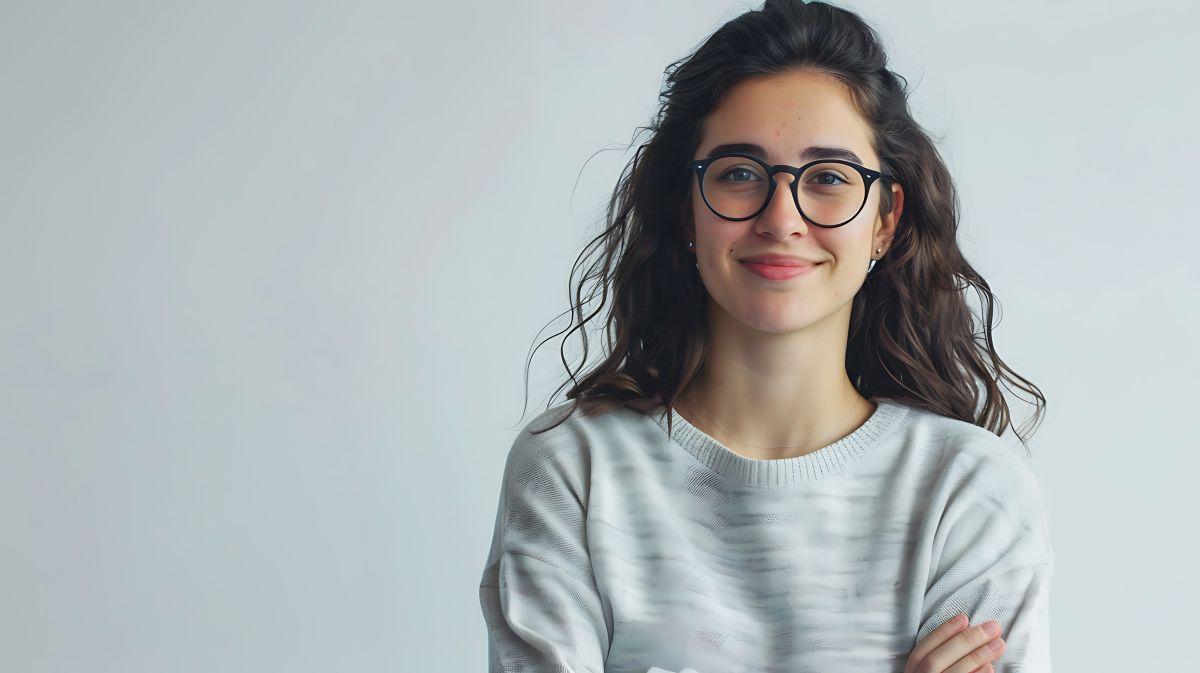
<point x="786" y="114"/>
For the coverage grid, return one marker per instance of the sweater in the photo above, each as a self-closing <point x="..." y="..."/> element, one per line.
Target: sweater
<point x="620" y="548"/>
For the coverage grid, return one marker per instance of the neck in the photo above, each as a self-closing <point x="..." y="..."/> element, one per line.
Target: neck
<point x="770" y="396"/>
<point x="758" y="434"/>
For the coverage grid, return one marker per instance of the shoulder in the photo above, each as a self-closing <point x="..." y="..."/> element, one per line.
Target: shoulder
<point x="967" y="452"/>
<point x="971" y="471"/>
<point x="564" y="441"/>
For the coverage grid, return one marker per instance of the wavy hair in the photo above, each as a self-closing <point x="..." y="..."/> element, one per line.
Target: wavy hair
<point x="912" y="335"/>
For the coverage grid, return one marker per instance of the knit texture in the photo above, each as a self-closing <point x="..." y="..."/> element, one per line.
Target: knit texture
<point x="619" y="549"/>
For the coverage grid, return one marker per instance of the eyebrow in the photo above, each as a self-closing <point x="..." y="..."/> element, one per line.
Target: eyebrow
<point x="808" y="154"/>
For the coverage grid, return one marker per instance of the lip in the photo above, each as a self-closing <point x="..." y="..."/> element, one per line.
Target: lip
<point x="780" y="272"/>
<point x="779" y="260"/>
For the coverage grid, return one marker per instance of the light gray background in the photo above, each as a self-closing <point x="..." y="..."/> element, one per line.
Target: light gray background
<point x="270" y="273"/>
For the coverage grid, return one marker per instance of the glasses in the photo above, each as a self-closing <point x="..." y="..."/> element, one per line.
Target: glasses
<point x="827" y="192"/>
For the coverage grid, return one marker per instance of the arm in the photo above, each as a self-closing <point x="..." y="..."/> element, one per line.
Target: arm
<point x="995" y="561"/>
<point x="539" y="598"/>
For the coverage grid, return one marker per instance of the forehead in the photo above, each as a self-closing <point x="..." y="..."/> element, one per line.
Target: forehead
<point x="786" y="113"/>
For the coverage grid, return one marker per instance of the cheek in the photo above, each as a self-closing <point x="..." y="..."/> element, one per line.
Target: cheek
<point x="849" y="250"/>
<point x="716" y="239"/>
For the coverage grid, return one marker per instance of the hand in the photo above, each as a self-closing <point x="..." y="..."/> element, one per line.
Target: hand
<point x="955" y="648"/>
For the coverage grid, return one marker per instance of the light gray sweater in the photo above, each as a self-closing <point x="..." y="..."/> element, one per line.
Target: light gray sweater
<point x="619" y="549"/>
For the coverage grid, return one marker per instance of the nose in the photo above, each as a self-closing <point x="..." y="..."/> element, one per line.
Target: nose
<point x="781" y="218"/>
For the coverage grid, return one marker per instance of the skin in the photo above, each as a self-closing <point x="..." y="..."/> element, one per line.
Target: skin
<point x="775" y="384"/>
<point x="957" y="647"/>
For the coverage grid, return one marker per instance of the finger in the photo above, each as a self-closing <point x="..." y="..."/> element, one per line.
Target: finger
<point x="987" y="667"/>
<point x="947" y="656"/>
<point x="934" y="640"/>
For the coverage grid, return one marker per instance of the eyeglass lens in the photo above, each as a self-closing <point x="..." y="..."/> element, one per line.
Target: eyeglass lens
<point x="828" y="193"/>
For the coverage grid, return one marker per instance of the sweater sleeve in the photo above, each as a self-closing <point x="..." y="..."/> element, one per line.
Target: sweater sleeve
<point x="995" y="562"/>
<point x="540" y="602"/>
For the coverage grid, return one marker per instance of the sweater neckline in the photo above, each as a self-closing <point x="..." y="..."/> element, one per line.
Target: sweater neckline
<point x="824" y="462"/>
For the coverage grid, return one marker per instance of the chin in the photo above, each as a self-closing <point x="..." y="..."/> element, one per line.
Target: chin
<point x="779" y="324"/>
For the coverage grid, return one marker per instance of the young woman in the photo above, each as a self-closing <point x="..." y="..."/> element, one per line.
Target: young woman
<point x="789" y="460"/>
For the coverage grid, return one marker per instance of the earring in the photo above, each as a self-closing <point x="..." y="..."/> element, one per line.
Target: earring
<point x="691" y="246"/>
<point x="871" y="264"/>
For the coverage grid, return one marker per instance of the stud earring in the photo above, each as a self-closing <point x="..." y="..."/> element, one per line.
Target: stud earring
<point x="692" y="246"/>
<point x="871" y="264"/>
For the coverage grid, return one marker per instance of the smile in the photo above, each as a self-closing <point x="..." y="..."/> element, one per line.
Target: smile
<point x="772" y="272"/>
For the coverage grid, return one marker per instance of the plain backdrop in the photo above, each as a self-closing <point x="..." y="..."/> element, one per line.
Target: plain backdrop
<point x="270" y="273"/>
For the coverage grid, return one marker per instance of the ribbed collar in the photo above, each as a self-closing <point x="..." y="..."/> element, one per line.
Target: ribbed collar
<point x="824" y="462"/>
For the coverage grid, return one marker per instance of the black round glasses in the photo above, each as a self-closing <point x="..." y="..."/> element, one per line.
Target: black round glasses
<point x="827" y="192"/>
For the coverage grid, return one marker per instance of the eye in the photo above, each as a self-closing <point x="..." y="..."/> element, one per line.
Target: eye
<point x="830" y="174"/>
<point x="740" y="170"/>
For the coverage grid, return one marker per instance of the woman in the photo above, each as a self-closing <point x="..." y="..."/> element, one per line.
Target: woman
<point x="783" y="463"/>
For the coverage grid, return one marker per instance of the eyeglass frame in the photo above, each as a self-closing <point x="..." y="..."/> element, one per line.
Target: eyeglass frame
<point x="869" y="177"/>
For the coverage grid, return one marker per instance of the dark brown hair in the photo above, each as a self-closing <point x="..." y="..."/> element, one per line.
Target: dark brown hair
<point x="912" y="337"/>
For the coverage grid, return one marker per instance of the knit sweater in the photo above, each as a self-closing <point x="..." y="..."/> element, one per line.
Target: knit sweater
<point x="618" y="548"/>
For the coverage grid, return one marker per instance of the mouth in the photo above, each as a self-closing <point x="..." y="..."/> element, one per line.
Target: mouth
<point x="776" y="272"/>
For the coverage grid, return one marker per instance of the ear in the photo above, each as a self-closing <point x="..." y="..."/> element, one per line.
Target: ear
<point x="888" y="221"/>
